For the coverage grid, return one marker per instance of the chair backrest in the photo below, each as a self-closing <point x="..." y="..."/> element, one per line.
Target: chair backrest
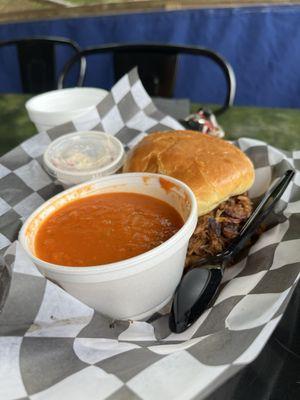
<point x="157" y="64"/>
<point x="37" y="61"/>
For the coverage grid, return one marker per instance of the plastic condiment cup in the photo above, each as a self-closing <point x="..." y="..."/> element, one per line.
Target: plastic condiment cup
<point x="130" y="289"/>
<point x="81" y="156"/>
<point x="56" y="107"/>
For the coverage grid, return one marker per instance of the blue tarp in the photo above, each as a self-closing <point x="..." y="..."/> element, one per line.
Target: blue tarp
<point x="261" y="43"/>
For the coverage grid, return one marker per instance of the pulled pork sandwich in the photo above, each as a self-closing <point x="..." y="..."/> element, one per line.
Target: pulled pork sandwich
<point x="218" y="173"/>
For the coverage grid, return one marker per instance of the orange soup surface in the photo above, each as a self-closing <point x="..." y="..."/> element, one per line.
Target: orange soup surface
<point x="105" y="228"/>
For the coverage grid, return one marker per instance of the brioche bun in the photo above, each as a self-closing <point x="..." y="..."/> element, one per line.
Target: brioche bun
<point x="213" y="168"/>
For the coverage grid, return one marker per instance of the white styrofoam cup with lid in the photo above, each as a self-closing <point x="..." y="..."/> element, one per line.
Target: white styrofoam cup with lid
<point x="81" y="156"/>
<point x="56" y="107"/>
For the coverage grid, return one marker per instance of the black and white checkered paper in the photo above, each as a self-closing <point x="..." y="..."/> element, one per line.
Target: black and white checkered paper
<point x="54" y="347"/>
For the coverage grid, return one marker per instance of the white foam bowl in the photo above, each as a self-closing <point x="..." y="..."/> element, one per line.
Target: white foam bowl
<point x="56" y="107"/>
<point x="134" y="288"/>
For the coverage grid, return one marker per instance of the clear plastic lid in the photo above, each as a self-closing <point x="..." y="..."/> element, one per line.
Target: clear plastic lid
<point x="82" y="156"/>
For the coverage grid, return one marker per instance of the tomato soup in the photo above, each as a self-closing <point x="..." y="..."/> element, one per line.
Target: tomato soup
<point x="105" y="228"/>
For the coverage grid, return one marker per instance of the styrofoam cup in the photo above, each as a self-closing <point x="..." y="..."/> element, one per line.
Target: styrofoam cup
<point x="56" y="107"/>
<point x="130" y="289"/>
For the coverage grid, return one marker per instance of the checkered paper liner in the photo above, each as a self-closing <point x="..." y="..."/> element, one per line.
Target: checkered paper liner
<point x="52" y="346"/>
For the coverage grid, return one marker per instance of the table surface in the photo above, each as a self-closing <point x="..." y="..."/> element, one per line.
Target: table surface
<point x="275" y="374"/>
<point x="278" y="127"/>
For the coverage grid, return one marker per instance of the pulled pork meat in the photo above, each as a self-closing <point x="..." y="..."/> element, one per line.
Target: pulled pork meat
<point x="216" y="229"/>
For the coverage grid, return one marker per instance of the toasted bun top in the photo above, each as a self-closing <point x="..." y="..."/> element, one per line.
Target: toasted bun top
<point x="213" y="168"/>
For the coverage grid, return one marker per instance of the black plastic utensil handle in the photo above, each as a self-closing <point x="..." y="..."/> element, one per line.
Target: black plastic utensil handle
<point x="262" y="210"/>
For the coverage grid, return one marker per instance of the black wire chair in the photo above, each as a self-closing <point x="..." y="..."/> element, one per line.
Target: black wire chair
<point x="157" y="64"/>
<point x="37" y="61"/>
